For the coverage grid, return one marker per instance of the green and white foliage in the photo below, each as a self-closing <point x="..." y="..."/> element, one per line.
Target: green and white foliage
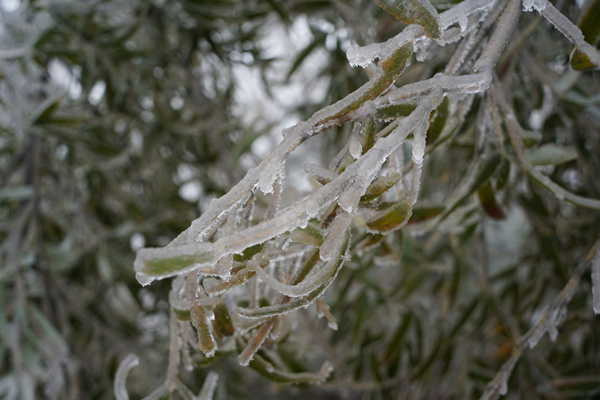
<point x="433" y="214"/>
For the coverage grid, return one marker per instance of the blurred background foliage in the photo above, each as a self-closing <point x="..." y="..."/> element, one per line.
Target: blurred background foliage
<point x="121" y="120"/>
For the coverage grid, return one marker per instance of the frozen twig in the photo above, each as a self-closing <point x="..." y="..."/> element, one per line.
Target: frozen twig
<point x="550" y="318"/>
<point x="126" y="365"/>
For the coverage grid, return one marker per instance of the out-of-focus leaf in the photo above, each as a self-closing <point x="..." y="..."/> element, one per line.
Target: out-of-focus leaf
<point x="44" y="113"/>
<point x="502" y="175"/>
<point x="550" y="154"/>
<point x="489" y="203"/>
<point x="15" y="193"/>
<point x="397" y="339"/>
<point x="318" y="41"/>
<point x="422" y="213"/>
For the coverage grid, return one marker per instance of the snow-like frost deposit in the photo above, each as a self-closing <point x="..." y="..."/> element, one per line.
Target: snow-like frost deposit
<point x="538" y="5"/>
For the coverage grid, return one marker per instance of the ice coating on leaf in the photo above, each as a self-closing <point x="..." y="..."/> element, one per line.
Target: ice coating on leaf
<point x="557" y="316"/>
<point x="354" y="146"/>
<point x="320" y="174"/>
<point x="414" y="12"/>
<point x="463" y="22"/>
<point x="363" y="56"/>
<point x="255" y="342"/>
<point x="200" y="319"/>
<point x="209" y="386"/>
<point x="335" y="235"/>
<point x="419" y="142"/>
<point x="160" y="263"/>
<point x="596" y="282"/>
<point x="143" y="279"/>
<point x="269" y="174"/>
<point x="538" y="5"/>
<point x="504" y="385"/>
<point x="309" y="284"/>
<point x="465" y="8"/>
<point x="128" y="363"/>
<point x="323" y="310"/>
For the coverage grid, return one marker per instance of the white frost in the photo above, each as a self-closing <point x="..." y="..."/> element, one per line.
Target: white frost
<point x="363" y="56"/>
<point x="538" y="5"/>
<point x="126" y="365"/>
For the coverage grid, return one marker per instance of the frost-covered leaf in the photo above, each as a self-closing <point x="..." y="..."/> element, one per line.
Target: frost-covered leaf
<point x="158" y="263"/>
<point x="379" y="186"/>
<point x="391" y="218"/>
<point x="222" y="324"/>
<point x="414" y="12"/>
<point x="200" y="317"/>
<point x="309" y="235"/>
<point x="590" y="27"/>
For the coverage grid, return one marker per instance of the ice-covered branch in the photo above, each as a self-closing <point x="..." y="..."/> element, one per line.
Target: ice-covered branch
<point x="514" y="130"/>
<point x="566" y="27"/>
<point x="551" y="317"/>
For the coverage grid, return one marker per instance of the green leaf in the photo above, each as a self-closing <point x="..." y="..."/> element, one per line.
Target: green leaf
<point x="438" y="121"/>
<point x="206" y="341"/>
<point x="391" y="218"/>
<point x="249" y="253"/>
<point x="486" y="171"/>
<point x="396" y="110"/>
<point x="222" y="324"/>
<point x="309" y="235"/>
<point x="45" y="111"/>
<point x="422" y="213"/>
<point x="157" y="263"/>
<point x="16" y="193"/>
<point x="414" y="12"/>
<point x="550" y="154"/>
<point x="488" y="201"/>
<point x="590" y="27"/>
<point x="319" y="41"/>
<point x="368" y="135"/>
<point x="379" y="186"/>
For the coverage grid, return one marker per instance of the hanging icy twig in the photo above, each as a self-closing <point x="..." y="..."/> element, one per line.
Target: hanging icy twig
<point x="513" y="128"/>
<point x="549" y="320"/>
<point x="126" y="365"/>
<point x="566" y="27"/>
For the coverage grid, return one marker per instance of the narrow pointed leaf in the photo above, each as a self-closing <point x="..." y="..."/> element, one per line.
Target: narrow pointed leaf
<point x="550" y="154"/>
<point x="489" y="203"/>
<point x="414" y="12"/>
<point x="590" y="27"/>
<point x="380" y="186"/>
<point x="391" y="218"/>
